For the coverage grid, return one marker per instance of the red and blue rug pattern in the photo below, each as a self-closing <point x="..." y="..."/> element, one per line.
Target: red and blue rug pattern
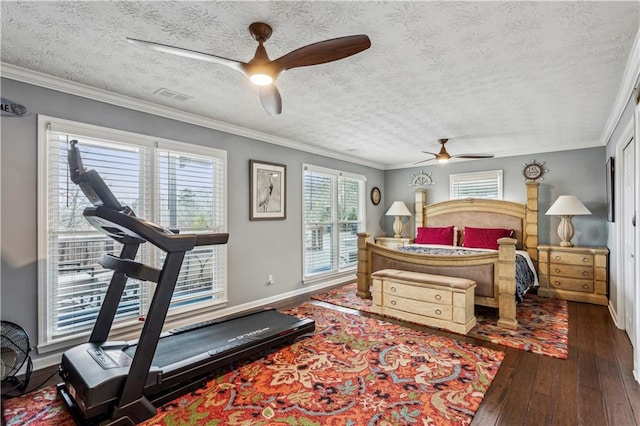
<point x="353" y="370"/>
<point x="543" y="323"/>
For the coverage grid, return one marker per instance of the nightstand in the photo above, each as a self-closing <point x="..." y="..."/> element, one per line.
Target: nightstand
<point x="393" y="242"/>
<point x="573" y="273"/>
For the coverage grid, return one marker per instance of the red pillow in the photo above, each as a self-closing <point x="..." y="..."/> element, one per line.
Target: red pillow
<point x="484" y="237"/>
<point x="443" y="236"/>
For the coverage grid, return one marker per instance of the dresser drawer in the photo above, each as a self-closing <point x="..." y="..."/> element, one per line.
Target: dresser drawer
<point x="571" y="284"/>
<point x="571" y="271"/>
<point x="444" y="296"/>
<point x="420" y="308"/>
<point x="571" y="258"/>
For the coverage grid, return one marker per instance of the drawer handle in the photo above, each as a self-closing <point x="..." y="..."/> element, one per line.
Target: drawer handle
<point x="585" y="273"/>
<point x="558" y="257"/>
<point x="558" y="283"/>
<point x="438" y="312"/>
<point x="585" y="259"/>
<point x="557" y="270"/>
<point x="393" y="289"/>
<point x="393" y="302"/>
<point x="438" y="297"/>
<point x="585" y="286"/>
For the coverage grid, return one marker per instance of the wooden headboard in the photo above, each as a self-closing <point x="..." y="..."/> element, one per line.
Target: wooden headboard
<point x="482" y="213"/>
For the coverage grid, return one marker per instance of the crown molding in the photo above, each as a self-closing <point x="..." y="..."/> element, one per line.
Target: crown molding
<point x="36" y="78"/>
<point x="625" y="93"/>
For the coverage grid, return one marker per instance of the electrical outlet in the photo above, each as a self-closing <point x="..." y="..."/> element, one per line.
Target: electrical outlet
<point x="269" y="279"/>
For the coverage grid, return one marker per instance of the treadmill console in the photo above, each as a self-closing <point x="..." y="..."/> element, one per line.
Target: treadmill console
<point x="90" y="181"/>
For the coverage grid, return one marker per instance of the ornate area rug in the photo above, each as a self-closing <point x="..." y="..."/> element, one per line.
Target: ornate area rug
<point x="352" y="370"/>
<point x="543" y="323"/>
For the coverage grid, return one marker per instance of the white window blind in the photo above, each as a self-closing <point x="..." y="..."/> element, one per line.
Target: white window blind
<point x="190" y="198"/>
<point x="333" y="206"/>
<point x="175" y="185"/>
<point x="476" y="185"/>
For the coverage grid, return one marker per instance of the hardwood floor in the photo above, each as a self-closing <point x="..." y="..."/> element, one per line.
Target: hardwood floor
<point x="594" y="386"/>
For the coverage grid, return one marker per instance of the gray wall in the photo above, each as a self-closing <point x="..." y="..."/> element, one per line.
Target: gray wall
<point x="255" y="249"/>
<point x="577" y="172"/>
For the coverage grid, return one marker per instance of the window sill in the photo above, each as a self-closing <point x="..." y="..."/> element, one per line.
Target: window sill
<point x="337" y="277"/>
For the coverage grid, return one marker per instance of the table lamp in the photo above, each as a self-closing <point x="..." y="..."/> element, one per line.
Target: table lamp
<point x="398" y="209"/>
<point x="566" y="206"/>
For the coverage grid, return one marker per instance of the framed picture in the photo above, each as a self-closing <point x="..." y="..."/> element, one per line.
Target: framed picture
<point x="268" y="183"/>
<point x="611" y="190"/>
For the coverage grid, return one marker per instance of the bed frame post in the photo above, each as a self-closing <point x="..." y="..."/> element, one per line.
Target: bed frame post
<point x="530" y="238"/>
<point x="364" y="272"/>
<point x="507" y="283"/>
<point x="418" y="214"/>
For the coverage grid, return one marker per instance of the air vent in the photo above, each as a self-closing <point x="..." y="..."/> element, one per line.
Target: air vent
<point x="171" y="94"/>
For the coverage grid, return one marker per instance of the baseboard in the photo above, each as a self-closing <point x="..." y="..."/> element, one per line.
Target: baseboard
<point x="614" y="316"/>
<point x="53" y="359"/>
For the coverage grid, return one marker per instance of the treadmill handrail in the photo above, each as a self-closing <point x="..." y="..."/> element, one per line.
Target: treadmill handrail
<point x="160" y="237"/>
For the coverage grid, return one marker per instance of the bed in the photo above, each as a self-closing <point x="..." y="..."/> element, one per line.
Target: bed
<point x="494" y="270"/>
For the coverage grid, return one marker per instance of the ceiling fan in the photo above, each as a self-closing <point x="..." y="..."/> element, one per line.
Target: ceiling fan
<point x="263" y="71"/>
<point x="443" y="156"/>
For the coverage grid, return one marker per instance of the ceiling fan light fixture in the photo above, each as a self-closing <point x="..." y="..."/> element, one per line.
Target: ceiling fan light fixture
<point x="261" y="79"/>
<point x="263" y="71"/>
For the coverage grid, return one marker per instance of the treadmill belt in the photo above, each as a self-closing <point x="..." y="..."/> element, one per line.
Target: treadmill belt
<point x="220" y="336"/>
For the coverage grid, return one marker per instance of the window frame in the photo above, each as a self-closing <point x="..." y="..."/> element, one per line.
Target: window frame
<point x="130" y="328"/>
<point x="335" y="221"/>
<point x="456" y="178"/>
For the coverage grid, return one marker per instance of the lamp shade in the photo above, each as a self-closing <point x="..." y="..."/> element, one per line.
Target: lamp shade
<point x="398" y="208"/>
<point x="567" y="205"/>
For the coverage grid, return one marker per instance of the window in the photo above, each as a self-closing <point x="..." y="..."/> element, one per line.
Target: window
<point x="333" y="206"/>
<point x="177" y="185"/>
<point x="476" y="185"/>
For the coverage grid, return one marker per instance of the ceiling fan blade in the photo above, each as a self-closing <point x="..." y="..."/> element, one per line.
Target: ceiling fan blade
<point x="472" y="156"/>
<point x="427" y="152"/>
<point x="323" y="52"/>
<point x="186" y="53"/>
<point x="270" y="99"/>
<point x="424" y="161"/>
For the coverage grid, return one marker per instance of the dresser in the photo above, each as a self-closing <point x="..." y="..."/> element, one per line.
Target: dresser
<point x="392" y="242"/>
<point x="573" y="273"/>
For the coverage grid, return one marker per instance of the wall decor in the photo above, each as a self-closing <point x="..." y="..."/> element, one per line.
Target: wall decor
<point x="421" y="178"/>
<point x="268" y="196"/>
<point x="375" y="196"/>
<point x="533" y="171"/>
<point x="11" y="109"/>
<point x="610" y="182"/>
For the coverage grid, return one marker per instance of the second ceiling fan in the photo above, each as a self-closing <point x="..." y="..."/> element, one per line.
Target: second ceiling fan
<point x="263" y="71"/>
<point x="443" y="156"/>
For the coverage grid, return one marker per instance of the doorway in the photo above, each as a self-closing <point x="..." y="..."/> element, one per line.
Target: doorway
<point x="628" y="234"/>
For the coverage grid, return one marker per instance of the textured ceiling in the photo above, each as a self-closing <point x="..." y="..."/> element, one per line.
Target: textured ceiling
<point x="506" y="78"/>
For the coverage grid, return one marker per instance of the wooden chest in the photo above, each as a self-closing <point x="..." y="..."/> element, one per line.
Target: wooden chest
<point x="433" y="300"/>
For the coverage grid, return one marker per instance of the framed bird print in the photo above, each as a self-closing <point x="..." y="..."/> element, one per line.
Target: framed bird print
<point x="268" y="183"/>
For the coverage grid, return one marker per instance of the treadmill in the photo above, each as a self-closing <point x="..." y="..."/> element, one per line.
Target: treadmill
<point x="122" y="383"/>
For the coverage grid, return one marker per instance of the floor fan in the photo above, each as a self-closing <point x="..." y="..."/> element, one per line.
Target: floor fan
<point x="14" y="352"/>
